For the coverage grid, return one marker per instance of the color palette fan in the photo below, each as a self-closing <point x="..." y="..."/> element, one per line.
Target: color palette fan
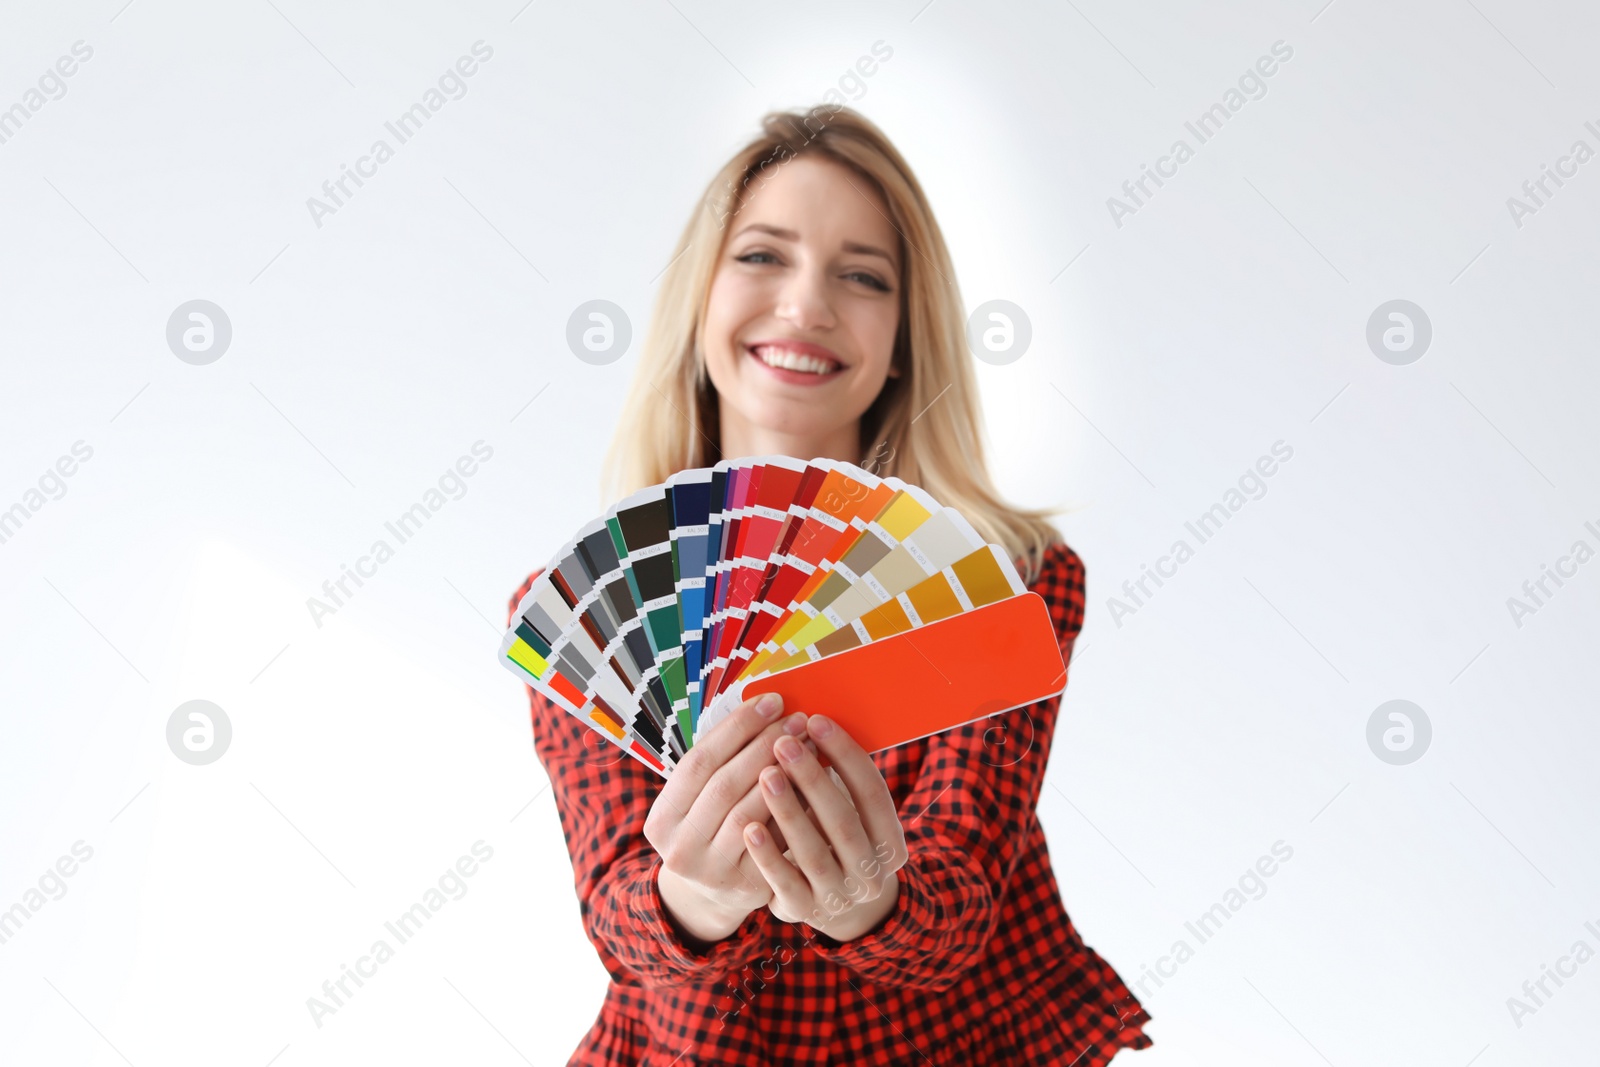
<point x="851" y="595"/>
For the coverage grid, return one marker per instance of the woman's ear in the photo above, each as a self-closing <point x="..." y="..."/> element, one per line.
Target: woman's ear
<point x="894" y="370"/>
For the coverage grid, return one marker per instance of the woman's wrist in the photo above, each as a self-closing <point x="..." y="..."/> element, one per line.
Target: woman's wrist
<point x="864" y="917"/>
<point x="699" y="920"/>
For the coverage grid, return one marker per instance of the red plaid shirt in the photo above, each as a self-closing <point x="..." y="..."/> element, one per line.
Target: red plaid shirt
<point x="977" y="964"/>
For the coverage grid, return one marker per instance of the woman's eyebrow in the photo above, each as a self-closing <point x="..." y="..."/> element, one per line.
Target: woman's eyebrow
<point x="868" y="250"/>
<point x="789" y="235"/>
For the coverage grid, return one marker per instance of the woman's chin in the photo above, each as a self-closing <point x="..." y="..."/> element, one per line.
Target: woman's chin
<point x="795" y="419"/>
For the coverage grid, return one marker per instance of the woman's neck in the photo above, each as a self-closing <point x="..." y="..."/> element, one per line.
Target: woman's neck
<point x="741" y="438"/>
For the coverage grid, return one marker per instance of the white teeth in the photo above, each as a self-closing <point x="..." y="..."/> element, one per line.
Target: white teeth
<point x="782" y="357"/>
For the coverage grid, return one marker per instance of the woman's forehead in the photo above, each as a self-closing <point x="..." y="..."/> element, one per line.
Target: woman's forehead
<point x="814" y="200"/>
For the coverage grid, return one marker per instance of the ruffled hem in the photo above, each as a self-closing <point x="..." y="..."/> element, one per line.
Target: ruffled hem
<point x="613" y="1039"/>
<point x="1083" y="1022"/>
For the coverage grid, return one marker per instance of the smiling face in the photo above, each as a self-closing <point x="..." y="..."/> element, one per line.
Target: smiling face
<point x="803" y="310"/>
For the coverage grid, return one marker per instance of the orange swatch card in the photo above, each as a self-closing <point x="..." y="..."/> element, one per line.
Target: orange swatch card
<point x="925" y="680"/>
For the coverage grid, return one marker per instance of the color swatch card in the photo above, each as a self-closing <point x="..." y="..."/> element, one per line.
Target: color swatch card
<point x="855" y="596"/>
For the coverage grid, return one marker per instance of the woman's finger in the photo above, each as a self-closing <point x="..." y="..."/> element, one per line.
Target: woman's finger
<point x="806" y="841"/>
<point x="841" y="824"/>
<point x="791" y="892"/>
<point x="689" y="778"/>
<point x="734" y="778"/>
<point x="751" y="808"/>
<point x="874" y="803"/>
<point x="753" y="875"/>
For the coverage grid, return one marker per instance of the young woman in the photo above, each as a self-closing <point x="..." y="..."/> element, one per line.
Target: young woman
<point x="897" y="907"/>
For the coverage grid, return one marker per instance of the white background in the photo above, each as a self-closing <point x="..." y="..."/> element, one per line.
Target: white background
<point x="368" y="354"/>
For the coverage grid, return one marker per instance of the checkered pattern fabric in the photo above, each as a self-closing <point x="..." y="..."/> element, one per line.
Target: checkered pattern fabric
<point x="977" y="964"/>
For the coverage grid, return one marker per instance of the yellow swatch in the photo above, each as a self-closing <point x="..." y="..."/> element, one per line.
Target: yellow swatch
<point x="886" y="620"/>
<point x="902" y="516"/>
<point x="980" y="575"/>
<point x="933" y="599"/>
<point x="524" y="656"/>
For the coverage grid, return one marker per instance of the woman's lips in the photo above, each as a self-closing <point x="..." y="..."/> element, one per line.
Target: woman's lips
<point x="796" y="363"/>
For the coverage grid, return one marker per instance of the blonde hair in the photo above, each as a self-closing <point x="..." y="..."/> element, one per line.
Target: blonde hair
<point x="924" y="427"/>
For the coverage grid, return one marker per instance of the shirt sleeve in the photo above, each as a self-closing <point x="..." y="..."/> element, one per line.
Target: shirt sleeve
<point x="603" y="796"/>
<point x="966" y="823"/>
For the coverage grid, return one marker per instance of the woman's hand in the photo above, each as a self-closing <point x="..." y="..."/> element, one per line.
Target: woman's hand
<point x="842" y="879"/>
<point x="708" y="880"/>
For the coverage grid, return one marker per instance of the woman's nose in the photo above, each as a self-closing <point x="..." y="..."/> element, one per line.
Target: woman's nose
<point x="804" y="302"/>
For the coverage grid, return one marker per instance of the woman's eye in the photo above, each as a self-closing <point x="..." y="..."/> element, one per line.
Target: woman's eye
<point x="762" y="258"/>
<point x="871" y="279"/>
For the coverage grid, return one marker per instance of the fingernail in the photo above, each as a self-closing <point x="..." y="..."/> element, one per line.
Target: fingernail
<point x="795" y="724"/>
<point x="758" y="836"/>
<point x="820" y="726"/>
<point x="769" y="705"/>
<point x="789" y="749"/>
<point x="773" y="782"/>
